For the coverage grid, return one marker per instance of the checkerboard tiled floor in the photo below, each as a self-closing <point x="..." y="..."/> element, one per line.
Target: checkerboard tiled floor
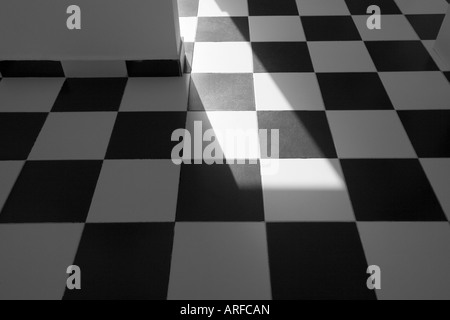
<point x="364" y="168"/>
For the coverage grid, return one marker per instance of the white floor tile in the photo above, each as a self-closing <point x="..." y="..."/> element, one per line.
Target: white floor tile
<point x="220" y="261"/>
<point x="369" y="134"/>
<point x="417" y="90"/>
<point x="305" y="190"/>
<point x="156" y="94"/>
<point x="230" y="57"/>
<point x="438" y="172"/>
<point x="280" y="29"/>
<point x="222" y="8"/>
<point x="9" y="172"/>
<point x="35" y="258"/>
<point x="136" y="191"/>
<point x="287" y="91"/>
<point x="442" y="64"/>
<point x="29" y="94"/>
<point x="74" y="136"/>
<point x="413" y="257"/>
<point x="345" y="56"/>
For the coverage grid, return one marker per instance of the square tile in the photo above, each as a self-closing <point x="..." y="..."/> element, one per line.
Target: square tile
<point x="347" y="56"/>
<point x="359" y="7"/>
<point x="417" y="90"/>
<point x="18" y="132"/>
<point x="353" y="91"/>
<point x="90" y="95"/>
<point x="441" y="63"/>
<point x="428" y="131"/>
<point x="423" y="7"/>
<point x="281" y="57"/>
<point x="156" y="94"/>
<point x="276" y="29"/>
<point x="136" y="191"/>
<point x="427" y="26"/>
<point x="303" y="134"/>
<point x="305" y="190"/>
<point x="438" y="172"/>
<point x="144" y="135"/>
<point x="52" y="191"/>
<point x="35" y="258"/>
<point x="330" y="28"/>
<point x="28" y="94"/>
<point x="235" y="133"/>
<point x="223" y="57"/>
<point x="391" y="190"/>
<point x="413" y="257"/>
<point x="137" y="257"/>
<point x="317" y="261"/>
<point x="188" y="28"/>
<point x="220" y="193"/>
<point x="222" y="29"/>
<point x="223" y="8"/>
<point x="272" y="8"/>
<point x="322" y="7"/>
<point x="400" y="56"/>
<point x="9" y="171"/>
<point x="221" y="92"/>
<point x="188" y="8"/>
<point x="394" y="27"/>
<point x="369" y="134"/>
<point x="220" y="261"/>
<point x="287" y="91"/>
<point x="74" y="136"/>
<point x="447" y="75"/>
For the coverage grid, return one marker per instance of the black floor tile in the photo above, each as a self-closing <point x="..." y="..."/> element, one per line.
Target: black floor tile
<point x="429" y="132"/>
<point x="145" y="135"/>
<point x="90" y="95"/>
<point x="281" y="57"/>
<point x="13" y="69"/>
<point x="317" y="261"/>
<point x="52" y="191"/>
<point x="18" y="133"/>
<point x="447" y="74"/>
<point x="330" y="28"/>
<point x="303" y="134"/>
<point x="220" y="192"/>
<point x="353" y="91"/>
<point x="391" y="190"/>
<point x="231" y="92"/>
<point x="427" y="26"/>
<point x="272" y="8"/>
<point x="359" y="7"/>
<point x="124" y="262"/>
<point x="221" y="29"/>
<point x="188" y="8"/>
<point x="401" y="56"/>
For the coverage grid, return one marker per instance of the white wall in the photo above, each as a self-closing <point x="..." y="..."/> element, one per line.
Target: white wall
<point x="111" y="30"/>
<point x="443" y="41"/>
